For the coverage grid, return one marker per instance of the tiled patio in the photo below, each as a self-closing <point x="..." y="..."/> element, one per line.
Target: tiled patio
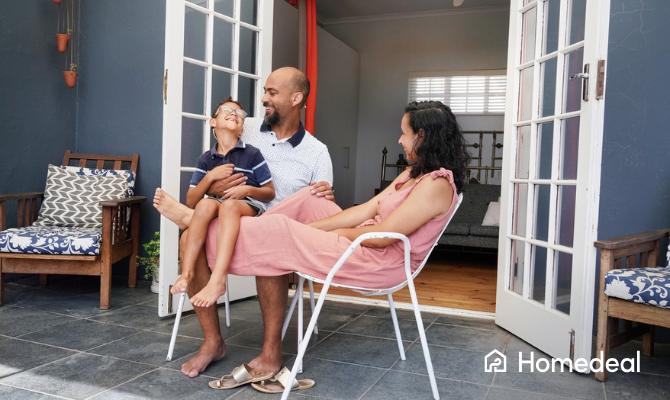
<point x="56" y="343"/>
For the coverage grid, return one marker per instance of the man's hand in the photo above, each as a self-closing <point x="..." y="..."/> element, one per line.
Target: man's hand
<point x="218" y="188"/>
<point x="236" y="193"/>
<point x="322" y="189"/>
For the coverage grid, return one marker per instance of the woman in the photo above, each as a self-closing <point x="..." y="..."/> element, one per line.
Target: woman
<point x="417" y="204"/>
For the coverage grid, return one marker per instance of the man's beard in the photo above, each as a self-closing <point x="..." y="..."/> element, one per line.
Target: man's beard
<point x="272" y="119"/>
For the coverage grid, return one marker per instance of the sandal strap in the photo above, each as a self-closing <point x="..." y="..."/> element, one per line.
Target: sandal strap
<point x="283" y="377"/>
<point x="241" y="374"/>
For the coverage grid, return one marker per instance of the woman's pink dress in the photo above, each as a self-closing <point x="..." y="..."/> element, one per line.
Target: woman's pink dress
<point x="278" y="242"/>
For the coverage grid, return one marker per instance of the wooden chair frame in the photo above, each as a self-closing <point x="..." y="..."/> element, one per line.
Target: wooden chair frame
<point x="119" y="240"/>
<point x="611" y="309"/>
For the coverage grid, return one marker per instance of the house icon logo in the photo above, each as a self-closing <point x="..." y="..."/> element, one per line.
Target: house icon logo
<point x="495" y="361"/>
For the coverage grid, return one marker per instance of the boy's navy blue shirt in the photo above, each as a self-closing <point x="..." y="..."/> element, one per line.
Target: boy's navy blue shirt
<point x="246" y="158"/>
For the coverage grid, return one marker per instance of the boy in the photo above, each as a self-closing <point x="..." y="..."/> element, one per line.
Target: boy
<point x="229" y="156"/>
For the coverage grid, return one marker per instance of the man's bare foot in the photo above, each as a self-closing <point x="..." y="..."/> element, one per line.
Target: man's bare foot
<point x="267" y="363"/>
<point x="209" y="294"/>
<point x="172" y="209"/>
<point x="208" y="353"/>
<point x="181" y="285"/>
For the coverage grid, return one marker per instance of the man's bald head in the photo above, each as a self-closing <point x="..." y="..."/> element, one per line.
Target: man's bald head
<point x="295" y="80"/>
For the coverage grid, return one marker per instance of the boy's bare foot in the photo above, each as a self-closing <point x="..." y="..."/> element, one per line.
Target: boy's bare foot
<point x="172" y="209"/>
<point x="209" y="294"/>
<point x="209" y="352"/>
<point x="181" y="285"/>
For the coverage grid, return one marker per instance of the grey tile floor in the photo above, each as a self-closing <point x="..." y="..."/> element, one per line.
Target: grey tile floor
<point x="56" y="343"/>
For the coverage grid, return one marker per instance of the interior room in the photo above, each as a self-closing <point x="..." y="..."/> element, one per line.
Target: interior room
<point x="367" y="54"/>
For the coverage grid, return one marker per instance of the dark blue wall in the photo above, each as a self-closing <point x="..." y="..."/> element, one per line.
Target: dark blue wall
<point x="120" y="101"/>
<point x="37" y="116"/>
<point x="635" y="182"/>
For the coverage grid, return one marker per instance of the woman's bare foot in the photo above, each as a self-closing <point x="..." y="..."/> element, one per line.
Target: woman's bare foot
<point x="209" y="352"/>
<point x="210" y="293"/>
<point x="172" y="209"/>
<point x="181" y="285"/>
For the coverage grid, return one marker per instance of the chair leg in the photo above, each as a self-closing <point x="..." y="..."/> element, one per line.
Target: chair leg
<point x="2" y="285"/>
<point x="401" y="348"/>
<point x="289" y="314"/>
<point x="175" y="329"/>
<point x="106" y="285"/>
<point x="422" y="335"/>
<point x="44" y="279"/>
<point x="135" y="234"/>
<point x="301" y="284"/>
<point x="311" y="300"/>
<point x="227" y="302"/>
<point x="603" y="336"/>
<point x="308" y="335"/>
<point x="648" y="341"/>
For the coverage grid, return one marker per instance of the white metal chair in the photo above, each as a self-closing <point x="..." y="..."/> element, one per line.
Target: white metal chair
<point x="304" y="342"/>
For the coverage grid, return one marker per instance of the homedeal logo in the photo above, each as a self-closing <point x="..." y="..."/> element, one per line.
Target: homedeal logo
<point x="495" y="361"/>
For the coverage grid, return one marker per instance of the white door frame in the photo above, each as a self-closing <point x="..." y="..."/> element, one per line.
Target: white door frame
<point x="172" y="110"/>
<point x="539" y="324"/>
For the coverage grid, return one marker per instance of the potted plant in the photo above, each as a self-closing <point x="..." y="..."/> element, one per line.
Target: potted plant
<point x="71" y="76"/>
<point x="62" y="40"/>
<point x="152" y="262"/>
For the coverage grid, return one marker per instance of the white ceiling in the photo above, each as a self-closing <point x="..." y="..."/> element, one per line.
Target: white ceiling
<point x="337" y="9"/>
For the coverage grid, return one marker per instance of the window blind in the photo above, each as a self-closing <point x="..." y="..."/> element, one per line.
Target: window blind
<point x="464" y="94"/>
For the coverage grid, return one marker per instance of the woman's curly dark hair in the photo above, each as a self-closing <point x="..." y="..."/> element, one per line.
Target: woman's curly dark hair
<point x="442" y="144"/>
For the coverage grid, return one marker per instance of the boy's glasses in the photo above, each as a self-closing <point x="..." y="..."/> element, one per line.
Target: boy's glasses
<point x="228" y="110"/>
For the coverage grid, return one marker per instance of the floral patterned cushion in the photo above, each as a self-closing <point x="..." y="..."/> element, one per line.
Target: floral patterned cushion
<point x="641" y="285"/>
<point x="51" y="240"/>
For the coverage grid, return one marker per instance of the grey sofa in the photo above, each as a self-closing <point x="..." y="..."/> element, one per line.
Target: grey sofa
<point x="466" y="229"/>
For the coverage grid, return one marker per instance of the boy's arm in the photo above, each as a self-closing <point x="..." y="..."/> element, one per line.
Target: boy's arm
<point x="197" y="192"/>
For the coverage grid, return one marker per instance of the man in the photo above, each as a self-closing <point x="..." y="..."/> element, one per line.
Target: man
<point x="296" y="160"/>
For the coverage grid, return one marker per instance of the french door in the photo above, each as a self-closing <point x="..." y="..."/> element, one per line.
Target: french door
<point x="551" y="173"/>
<point x="213" y="49"/>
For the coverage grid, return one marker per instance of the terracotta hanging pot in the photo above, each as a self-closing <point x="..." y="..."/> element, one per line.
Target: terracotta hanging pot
<point x="70" y="78"/>
<point x="62" y="41"/>
<point x="57" y="1"/>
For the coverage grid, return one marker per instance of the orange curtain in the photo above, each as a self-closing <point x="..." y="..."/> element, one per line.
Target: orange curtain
<point x="312" y="62"/>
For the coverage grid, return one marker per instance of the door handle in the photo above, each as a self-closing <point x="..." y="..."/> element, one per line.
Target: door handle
<point x="584" y="76"/>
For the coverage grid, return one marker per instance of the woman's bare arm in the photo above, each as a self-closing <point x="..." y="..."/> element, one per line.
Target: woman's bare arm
<point x="356" y="215"/>
<point x="429" y="199"/>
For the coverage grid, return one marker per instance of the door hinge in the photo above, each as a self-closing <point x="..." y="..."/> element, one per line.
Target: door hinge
<point x="572" y="345"/>
<point x="600" y="82"/>
<point x="165" y="81"/>
<point x="170" y="299"/>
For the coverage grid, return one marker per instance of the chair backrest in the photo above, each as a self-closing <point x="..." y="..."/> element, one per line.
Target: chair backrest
<point x="100" y="160"/>
<point x="377" y="292"/>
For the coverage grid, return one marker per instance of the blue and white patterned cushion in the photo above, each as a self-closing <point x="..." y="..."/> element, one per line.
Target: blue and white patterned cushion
<point x="104" y="173"/>
<point x="51" y="240"/>
<point x="640" y="285"/>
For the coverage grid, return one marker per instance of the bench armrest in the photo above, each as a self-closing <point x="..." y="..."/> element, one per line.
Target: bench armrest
<point x="126" y="201"/>
<point x="630" y="240"/>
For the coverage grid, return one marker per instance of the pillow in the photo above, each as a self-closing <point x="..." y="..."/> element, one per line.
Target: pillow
<point x="492" y="217"/>
<point x="104" y="173"/>
<point x="72" y="200"/>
